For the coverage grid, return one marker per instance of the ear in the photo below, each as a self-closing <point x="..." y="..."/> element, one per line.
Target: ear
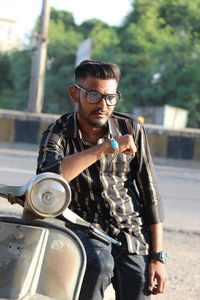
<point x="73" y="93"/>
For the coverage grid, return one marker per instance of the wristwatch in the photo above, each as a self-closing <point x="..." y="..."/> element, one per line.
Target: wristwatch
<point x="162" y="256"/>
<point x="115" y="146"/>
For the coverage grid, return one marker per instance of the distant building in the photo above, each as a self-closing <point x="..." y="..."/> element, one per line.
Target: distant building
<point x="9" y="39"/>
<point x="167" y="116"/>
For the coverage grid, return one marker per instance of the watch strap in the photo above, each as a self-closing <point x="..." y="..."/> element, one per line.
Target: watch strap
<point x="162" y="256"/>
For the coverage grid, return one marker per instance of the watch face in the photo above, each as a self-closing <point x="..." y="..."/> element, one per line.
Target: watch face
<point x="163" y="256"/>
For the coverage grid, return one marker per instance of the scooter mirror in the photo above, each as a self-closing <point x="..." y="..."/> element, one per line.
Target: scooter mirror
<point x="47" y="195"/>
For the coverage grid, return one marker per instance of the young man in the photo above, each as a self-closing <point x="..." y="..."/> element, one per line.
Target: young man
<point x="104" y="155"/>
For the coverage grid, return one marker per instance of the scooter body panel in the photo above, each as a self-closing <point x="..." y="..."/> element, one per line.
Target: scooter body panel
<point x="40" y="263"/>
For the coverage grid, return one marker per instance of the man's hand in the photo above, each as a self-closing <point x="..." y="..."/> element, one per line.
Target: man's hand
<point x="157" y="277"/>
<point x="73" y="165"/>
<point x="126" y="144"/>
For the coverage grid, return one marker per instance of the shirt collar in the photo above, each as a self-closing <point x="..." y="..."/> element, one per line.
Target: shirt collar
<point x="73" y="130"/>
<point x="71" y="126"/>
<point x="112" y="128"/>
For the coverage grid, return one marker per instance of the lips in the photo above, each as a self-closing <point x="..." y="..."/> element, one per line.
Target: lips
<point x="99" y="113"/>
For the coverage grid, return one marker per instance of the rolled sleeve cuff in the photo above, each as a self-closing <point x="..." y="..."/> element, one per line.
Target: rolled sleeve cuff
<point x="54" y="168"/>
<point x="154" y="214"/>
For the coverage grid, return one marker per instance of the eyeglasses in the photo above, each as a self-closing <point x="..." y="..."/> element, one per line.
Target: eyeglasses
<point x="94" y="97"/>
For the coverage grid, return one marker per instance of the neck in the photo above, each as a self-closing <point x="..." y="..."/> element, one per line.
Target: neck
<point x="90" y="133"/>
<point x="93" y="134"/>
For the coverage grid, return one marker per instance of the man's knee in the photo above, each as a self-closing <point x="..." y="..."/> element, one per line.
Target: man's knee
<point x="99" y="257"/>
<point x="104" y="263"/>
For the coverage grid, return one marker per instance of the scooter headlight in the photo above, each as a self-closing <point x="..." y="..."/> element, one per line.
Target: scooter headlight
<point x="48" y="195"/>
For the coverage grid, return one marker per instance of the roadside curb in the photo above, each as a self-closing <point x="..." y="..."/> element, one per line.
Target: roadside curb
<point x="32" y="149"/>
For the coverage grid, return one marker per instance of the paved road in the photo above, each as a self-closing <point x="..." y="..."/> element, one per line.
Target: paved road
<point x="179" y="186"/>
<point x="180" y="190"/>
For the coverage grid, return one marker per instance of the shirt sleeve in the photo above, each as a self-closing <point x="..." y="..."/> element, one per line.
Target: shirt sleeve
<point x="51" y="151"/>
<point x="146" y="181"/>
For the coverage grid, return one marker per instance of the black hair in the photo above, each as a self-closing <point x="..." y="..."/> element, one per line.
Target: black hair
<point x="97" y="69"/>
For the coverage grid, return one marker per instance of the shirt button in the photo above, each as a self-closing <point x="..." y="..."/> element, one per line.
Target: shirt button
<point x="103" y="194"/>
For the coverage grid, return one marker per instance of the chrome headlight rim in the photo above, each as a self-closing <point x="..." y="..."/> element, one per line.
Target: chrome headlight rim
<point x="33" y="184"/>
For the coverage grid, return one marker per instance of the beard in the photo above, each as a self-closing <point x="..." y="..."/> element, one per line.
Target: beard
<point x="99" y="123"/>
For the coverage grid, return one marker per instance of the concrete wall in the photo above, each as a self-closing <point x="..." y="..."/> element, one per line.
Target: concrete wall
<point x="23" y="127"/>
<point x="171" y="143"/>
<point x="168" y="116"/>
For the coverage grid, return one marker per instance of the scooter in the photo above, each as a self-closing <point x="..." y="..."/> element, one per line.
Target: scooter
<point x="41" y="258"/>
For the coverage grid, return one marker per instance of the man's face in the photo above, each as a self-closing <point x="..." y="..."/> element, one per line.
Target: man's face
<point x="95" y="115"/>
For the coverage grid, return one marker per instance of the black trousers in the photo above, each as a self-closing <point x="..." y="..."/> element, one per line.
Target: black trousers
<point x="106" y="264"/>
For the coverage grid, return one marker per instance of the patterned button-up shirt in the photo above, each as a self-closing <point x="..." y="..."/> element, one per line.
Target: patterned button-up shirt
<point x="117" y="195"/>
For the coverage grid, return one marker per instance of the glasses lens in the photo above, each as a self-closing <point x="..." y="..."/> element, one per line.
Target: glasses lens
<point x="94" y="97"/>
<point x="112" y="99"/>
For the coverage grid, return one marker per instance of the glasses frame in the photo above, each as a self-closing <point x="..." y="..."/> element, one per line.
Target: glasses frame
<point x="103" y="96"/>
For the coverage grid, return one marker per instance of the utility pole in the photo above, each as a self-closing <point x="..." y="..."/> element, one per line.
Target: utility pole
<point x="38" y="68"/>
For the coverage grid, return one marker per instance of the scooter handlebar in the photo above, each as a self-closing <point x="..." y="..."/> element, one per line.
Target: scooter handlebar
<point x="103" y="237"/>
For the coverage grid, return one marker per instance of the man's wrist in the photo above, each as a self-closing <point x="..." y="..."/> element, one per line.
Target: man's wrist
<point x="111" y="146"/>
<point x="161" y="256"/>
<point x="107" y="149"/>
<point x="115" y="147"/>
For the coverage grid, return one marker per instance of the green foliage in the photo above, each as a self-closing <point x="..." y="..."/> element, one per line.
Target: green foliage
<point x="5" y="74"/>
<point x="60" y="71"/>
<point x="161" y="42"/>
<point x="157" y="48"/>
<point x="15" y="77"/>
<point x="86" y="27"/>
<point x="105" y="43"/>
<point x="64" y="17"/>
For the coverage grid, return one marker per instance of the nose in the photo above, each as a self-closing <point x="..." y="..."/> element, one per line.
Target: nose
<point x="103" y="103"/>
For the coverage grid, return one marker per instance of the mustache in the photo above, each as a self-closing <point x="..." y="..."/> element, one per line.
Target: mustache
<point x="102" y="111"/>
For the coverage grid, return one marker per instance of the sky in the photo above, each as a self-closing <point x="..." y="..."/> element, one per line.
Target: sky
<point x="25" y="12"/>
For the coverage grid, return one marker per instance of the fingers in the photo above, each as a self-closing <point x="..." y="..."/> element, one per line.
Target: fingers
<point x="151" y="285"/>
<point x="129" y="152"/>
<point x="157" y="278"/>
<point x="127" y="145"/>
<point x="157" y="285"/>
<point x="163" y="284"/>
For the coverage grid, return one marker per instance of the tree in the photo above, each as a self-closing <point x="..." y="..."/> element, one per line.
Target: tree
<point x="63" y="42"/>
<point x="157" y="48"/>
<point x="162" y="46"/>
<point x="65" y="17"/>
<point x="5" y="74"/>
<point x="15" y="73"/>
<point x="61" y="54"/>
<point x="87" y="26"/>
